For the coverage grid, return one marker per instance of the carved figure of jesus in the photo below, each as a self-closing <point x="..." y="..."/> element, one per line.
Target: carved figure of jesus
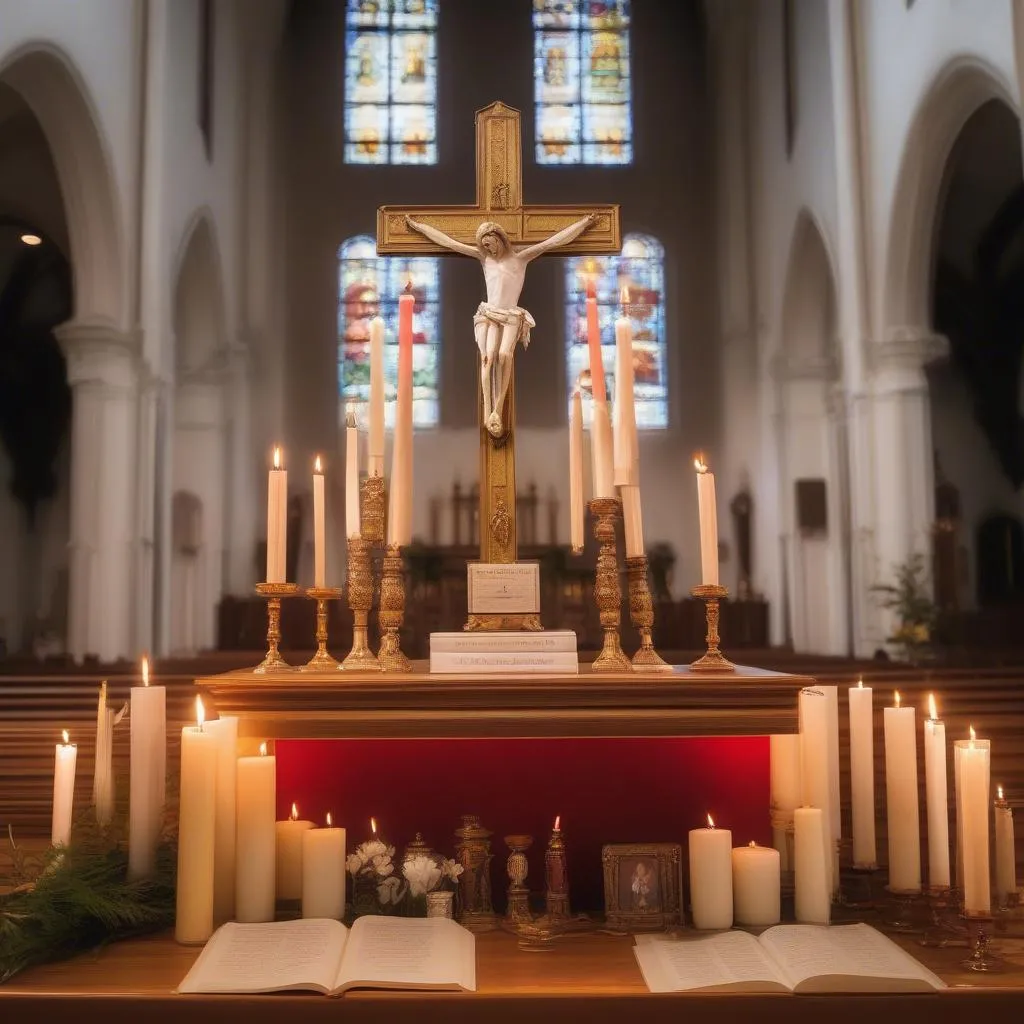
<point x="500" y="323"/>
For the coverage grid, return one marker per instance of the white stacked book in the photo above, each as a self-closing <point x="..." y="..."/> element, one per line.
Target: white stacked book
<point x="504" y="651"/>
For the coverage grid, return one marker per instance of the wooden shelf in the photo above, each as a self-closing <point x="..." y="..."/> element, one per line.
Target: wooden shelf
<point x="295" y="704"/>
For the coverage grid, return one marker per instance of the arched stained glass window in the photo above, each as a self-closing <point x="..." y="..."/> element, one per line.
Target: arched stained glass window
<point x="582" y="81"/>
<point x="640" y="269"/>
<point x="369" y="285"/>
<point x="391" y="82"/>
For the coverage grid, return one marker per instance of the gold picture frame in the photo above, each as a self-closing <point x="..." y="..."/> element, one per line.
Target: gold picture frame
<point x="642" y="886"/>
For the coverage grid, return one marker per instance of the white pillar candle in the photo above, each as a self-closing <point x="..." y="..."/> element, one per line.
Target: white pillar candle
<point x="323" y="872"/>
<point x="903" y="814"/>
<point x="862" y="774"/>
<point x="972" y="803"/>
<point x="936" y="798"/>
<point x="193" y="920"/>
<point x="256" y="842"/>
<point x="836" y="831"/>
<point x="626" y="455"/>
<point x="375" y="458"/>
<point x="1006" y="864"/>
<point x="64" y="764"/>
<point x="289" y="855"/>
<point x="711" y="876"/>
<point x="225" y="732"/>
<point x="632" y="516"/>
<point x="277" y="520"/>
<point x="103" y="766"/>
<point x="576" y="473"/>
<point x="319" y="526"/>
<point x="603" y="475"/>
<point x="756" y="885"/>
<point x="813" y="899"/>
<point x="708" y="510"/>
<point x="351" y="477"/>
<point x="815" y="763"/>
<point x="147" y="778"/>
<point x="400" y="507"/>
<point x="785" y="793"/>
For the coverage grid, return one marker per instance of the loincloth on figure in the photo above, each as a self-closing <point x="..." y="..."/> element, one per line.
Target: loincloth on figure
<point x="516" y="315"/>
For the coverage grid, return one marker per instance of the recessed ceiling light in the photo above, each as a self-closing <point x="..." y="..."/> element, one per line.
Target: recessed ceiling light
<point x="30" y="239"/>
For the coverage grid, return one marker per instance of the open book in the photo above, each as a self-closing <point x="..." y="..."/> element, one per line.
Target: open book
<point x="792" y="957"/>
<point x="325" y="956"/>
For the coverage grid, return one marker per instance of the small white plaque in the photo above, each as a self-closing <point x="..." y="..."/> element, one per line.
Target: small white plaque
<point x="511" y="588"/>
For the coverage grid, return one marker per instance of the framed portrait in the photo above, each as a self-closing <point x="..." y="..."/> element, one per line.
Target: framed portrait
<point x="642" y="885"/>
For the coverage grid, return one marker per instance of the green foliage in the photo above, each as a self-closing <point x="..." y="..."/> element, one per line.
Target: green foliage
<point x="78" y="897"/>
<point x="910" y="600"/>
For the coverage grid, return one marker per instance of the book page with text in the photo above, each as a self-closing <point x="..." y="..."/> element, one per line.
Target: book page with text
<point x="408" y="952"/>
<point x="731" y="960"/>
<point x="269" y="957"/>
<point x="846" y="958"/>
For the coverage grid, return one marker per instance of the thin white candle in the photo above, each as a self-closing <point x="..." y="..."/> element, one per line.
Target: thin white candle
<point x="277" y="520"/>
<point x="351" y="477"/>
<point x="225" y="732"/>
<point x="103" y="768"/>
<point x="323" y="872"/>
<point x="1006" y="865"/>
<point x="603" y="475"/>
<point x="756" y="885"/>
<point x="811" y="875"/>
<point x="936" y="798"/>
<point x="319" y="526"/>
<point x="815" y="763"/>
<point x="632" y="516"/>
<point x="972" y="804"/>
<point x="64" y="764"/>
<point x="375" y="459"/>
<point x="862" y="774"/>
<point x="711" y="876"/>
<point x="576" y="473"/>
<point x="256" y="844"/>
<point x="148" y="769"/>
<point x="626" y="455"/>
<point x="289" y="855"/>
<point x="903" y="812"/>
<point x="400" y="507"/>
<point x="708" y="511"/>
<point x="193" y="920"/>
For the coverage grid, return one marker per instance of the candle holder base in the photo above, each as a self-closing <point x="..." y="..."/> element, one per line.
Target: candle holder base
<point x="860" y="889"/>
<point x="518" y="895"/>
<point x="641" y="615"/>
<point x="373" y="509"/>
<point x="360" y="600"/>
<point x="900" y="916"/>
<point x="273" y="592"/>
<point x="392" y="612"/>
<point x="712" y="660"/>
<point x="321" y="660"/>
<point x="607" y="590"/>
<point x="944" y="925"/>
<point x="981" y="958"/>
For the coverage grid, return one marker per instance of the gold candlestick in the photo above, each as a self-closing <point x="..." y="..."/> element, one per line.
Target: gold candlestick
<point x="392" y="612"/>
<point x="641" y="614"/>
<point x="360" y="600"/>
<point x="556" y="872"/>
<point x="372" y="501"/>
<point x="712" y="660"/>
<point x="322" y="660"/>
<point x="273" y="592"/>
<point x="607" y="592"/>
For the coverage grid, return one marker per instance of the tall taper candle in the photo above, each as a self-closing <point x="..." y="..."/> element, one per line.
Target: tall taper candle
<point x="65" y="760"/>
<point x="862" y="774"/>
<point x="277" y="520"/>
<point x="375" y="459"/>
<point x="972" y="796"/>
<point x="903" y="813"/>
<point x="351" y="477"/>
<point x="708" y="509"/>
<point x="597" y="384"/>
<point x="193" y="919"/>
<point x="813" y="899"/>
<point x="815" y="763"/>
<point x="576" y="473"/>
<point x="627" y="450"/>
<point x="256" y="845"/>
<point x="400" y="508"/>
<point x="711" y="876"/>
<point x="936" y="798"/>
<point x="1006" y="864"/>
<point x="601" y="451"/>
<point x="147" y="774"/>
<point x="632" y="519"/>
<point x="319" y="527"/>
<point x="225" y="732"/>
<point x="323" y="872"/>
<point x="102" y="773"/>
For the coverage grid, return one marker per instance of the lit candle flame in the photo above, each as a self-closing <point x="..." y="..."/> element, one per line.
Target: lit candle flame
<point x="200" y="713"/>
<point x="328" y="819"/>
<point x="373" y="825"/>
<point x="973" y="736"/>
<point x="277" y="457"/>
<point x="295" y="813"/>
<point x="999" y="792"/>
<point x="558" y="821"/>
<point x="933" y="713"/>
<point x="699" y="464"/>
<point x="753" y="843"/>
<point x="624" y="295"/>
<point x="263" y="749"/>
<point x="65" y="735"/>
<point x="860" y="683"/>
<point x="145" y="671"/>
<point x="317" y="465"/>
<point x="896" y="697"/>
<point x="711" y="822"/>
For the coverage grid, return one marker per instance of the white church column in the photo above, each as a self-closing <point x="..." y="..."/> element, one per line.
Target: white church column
<point x="102" y="372"/>
<point x="241" y="504"/>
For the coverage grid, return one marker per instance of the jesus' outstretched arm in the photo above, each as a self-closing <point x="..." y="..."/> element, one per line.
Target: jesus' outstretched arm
<point x="441" y="238"/>
<point x="558" y="238"/>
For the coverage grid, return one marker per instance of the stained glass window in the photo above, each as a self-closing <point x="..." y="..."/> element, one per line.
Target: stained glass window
<point x="640" y="270"/>
<point x="581" y="81"/>
<point x="369" y="285"/>
<point x="391" y="82"/>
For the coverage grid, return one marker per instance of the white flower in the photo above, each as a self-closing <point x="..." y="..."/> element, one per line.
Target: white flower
<point x="353" y="862"/>
<point x="390" y="890"/>
<point x="422" y="874"/>
<point x="451" y="869"/>
<point x="372" y="848"/>
<point x="382" y="864"/>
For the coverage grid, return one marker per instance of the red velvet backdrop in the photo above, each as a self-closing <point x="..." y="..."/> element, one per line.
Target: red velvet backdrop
<point x="607" y="790"/>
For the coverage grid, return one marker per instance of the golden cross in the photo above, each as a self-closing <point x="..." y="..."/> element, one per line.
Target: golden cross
<point x="499" y="197"/>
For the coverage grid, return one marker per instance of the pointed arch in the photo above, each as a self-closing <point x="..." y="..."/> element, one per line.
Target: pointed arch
<point x="809" y="300"/>
<point x="199" y="309"/>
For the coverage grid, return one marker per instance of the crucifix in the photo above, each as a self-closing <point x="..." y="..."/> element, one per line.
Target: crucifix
<point x="505" y="234"/>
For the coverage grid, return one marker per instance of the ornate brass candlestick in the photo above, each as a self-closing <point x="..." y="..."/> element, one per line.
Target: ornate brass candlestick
<point x="321" y="661"/>
<point x="273" y="592"/>
<point x="517" y="867"/>
<point x="556" y="871"/>
<point x="641" y="614"/>
<point x="372" y="503"/>
<point x="392" y="612"/>
<point x="473" y="852"/>
<point x="360" y="600"/>
<point x="712" y="660"/>
<point x="607" y="592"/>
